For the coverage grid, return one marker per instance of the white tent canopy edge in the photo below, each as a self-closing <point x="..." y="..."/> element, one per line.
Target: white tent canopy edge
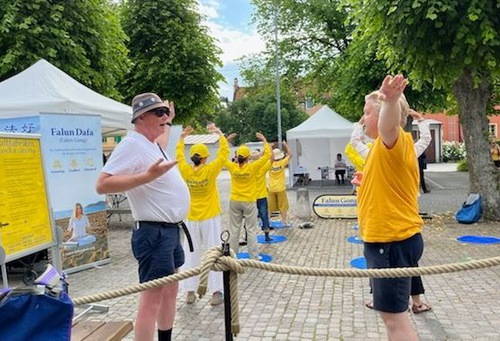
<point x="43" y="87"/>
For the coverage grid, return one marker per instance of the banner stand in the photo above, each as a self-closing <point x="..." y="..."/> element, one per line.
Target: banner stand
<point x="71" y="146"/>
<point x="56" y="250"/>
<point x="26" y="224"/>
<point x="336" y="206"/>
<point x="4" y="268"/>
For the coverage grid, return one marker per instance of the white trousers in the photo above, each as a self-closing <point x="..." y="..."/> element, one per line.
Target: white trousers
<point x="205" y="234"/>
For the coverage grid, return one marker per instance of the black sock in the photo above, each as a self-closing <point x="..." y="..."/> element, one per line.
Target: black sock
<point x="165" y="335"/>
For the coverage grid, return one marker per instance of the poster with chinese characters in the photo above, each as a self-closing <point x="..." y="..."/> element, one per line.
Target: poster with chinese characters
<point x="72" y="158"/>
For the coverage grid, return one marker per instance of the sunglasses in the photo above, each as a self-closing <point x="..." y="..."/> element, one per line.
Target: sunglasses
<point x="159" y="112"/>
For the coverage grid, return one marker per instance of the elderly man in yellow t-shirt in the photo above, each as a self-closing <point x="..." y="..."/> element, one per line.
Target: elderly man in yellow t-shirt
<point x="278" y="200"/>
<point x="390" y="224"/>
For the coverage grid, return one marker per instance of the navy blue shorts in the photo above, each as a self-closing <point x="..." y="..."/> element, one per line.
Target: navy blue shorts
<point x="391" y="295"/>
<point x="158" y="251"/>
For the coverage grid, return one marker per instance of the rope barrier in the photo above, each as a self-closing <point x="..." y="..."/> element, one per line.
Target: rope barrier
<point x="213" y="260"/>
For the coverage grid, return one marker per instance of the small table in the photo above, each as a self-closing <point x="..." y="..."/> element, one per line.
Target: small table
<point x="114" y="201"/>
<point x="325" y="173"/>
<point x="301" y="176"/>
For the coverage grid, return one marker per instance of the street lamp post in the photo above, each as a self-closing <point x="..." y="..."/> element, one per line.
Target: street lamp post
<point x="278" y="100"/>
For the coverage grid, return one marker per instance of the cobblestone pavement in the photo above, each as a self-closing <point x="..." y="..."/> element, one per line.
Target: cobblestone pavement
<point x="273" y="306"/>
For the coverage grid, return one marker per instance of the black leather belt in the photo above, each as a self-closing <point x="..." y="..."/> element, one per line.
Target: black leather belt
<point x="161" y="224"/>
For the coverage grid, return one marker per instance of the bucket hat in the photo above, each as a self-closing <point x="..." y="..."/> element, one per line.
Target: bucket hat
<point x="145" y="102"/>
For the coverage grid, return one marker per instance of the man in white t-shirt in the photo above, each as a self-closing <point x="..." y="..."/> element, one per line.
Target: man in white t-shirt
<point x="159" y="201"/>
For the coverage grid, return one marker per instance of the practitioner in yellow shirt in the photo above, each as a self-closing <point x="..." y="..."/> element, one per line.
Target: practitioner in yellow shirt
<point x="261" y="188"/>
<point x="204" y="217"/>
<point x="278" y="200"/>
<point x="242" y="203"/>
<point x="357" y="152"/>
<point x="389" y="221"/>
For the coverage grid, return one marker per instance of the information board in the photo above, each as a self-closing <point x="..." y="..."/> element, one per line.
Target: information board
<point x="336" y="206"/>
<point x="71" y="147"/>
<point x="25" y="221"/>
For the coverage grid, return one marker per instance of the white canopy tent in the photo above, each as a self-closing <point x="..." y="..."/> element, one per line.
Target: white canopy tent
<point x="44" y="88"/>
<point x="316" y="142"/>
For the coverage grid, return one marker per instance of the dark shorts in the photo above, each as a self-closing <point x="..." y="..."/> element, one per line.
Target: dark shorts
<point x="391" y="295"/>
<point x="158" y="251"/>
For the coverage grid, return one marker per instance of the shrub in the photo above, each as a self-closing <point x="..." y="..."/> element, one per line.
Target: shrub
<point x="463" y="166"/>
<point x="453" y="151"/>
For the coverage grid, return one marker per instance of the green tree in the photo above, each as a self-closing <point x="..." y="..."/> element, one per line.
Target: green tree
<point x="357" y="71"/>
<point x="311" y="33"/>
<point x="258" y="113"/>
<point x="172" y="55"/>
<point x="82" y="37"/>
<point x="454" y="45"/>
<point x="320" y="60"/>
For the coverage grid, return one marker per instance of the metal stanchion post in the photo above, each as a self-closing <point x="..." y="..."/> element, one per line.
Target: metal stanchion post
<point x="227" y="291"/>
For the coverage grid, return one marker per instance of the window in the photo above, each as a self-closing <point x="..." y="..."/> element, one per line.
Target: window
<point x="493" y="129"/>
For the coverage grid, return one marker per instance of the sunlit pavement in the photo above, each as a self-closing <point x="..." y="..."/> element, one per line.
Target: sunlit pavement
<point x="277" y="306"/>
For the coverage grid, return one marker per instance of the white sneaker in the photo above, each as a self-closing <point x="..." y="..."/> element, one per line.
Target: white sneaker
<point x="217" y="298"/>
<point x="190" y="297"/>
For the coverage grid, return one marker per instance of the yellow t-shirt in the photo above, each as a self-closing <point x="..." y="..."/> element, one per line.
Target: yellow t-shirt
<point x="261" y="180"/>
<point x="357" y="160"/>
<point x="201" y="181"/>
<point x="495" y="153"/>
<point x="243" y="178"/>
<point x="387" y="197"/>
<point x="277" y="175"/>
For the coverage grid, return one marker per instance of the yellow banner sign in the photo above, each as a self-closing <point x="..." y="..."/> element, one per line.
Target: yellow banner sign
<point x="24" y="211"/>
<point x="336" y="206"/>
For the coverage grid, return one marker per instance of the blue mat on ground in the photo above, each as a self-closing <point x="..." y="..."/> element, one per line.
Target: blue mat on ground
<point x="277" y="224"/>
<point x="479" y="239"/>
<point x="354" y="240"/>
<point x="359" y="263"/>
<point x="263" y="257"/>
<point x="261" y="239"/>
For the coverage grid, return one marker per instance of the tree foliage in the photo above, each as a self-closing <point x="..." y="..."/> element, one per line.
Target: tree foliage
<point x="434" y="40"/>
<point x="172" y="55"/>
<point x="310" y="32"/>
<point x="82" y="37"/>
<point x="358" y="71"/>
<point x="258" y="113"/>
<point x="454" y="45"/>
<point x="320" y="60"/>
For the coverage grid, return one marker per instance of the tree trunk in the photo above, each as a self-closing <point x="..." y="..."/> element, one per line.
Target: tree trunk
<point x="484" y="177"/>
